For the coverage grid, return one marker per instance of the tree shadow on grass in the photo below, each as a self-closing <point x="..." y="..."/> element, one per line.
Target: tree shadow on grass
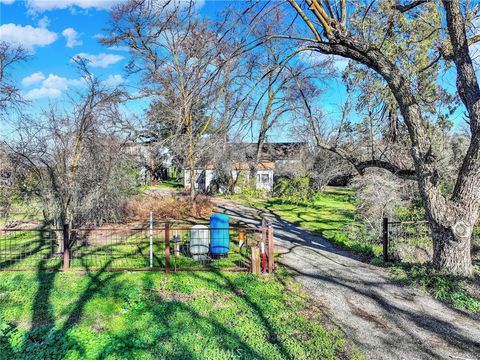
<point x="49" y="336"/>
<point x="46" y="339"/>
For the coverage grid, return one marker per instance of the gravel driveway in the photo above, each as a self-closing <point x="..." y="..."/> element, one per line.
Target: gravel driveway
<point x="385" y="320"/>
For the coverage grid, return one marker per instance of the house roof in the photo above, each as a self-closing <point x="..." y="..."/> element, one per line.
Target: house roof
<point x="271" y="151"/>
<point x="264" y="165"/>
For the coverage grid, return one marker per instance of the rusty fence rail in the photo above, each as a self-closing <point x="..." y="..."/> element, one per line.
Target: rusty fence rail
<point x="167" y="247"/>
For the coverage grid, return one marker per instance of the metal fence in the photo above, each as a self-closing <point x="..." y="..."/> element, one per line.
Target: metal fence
<point x="408" y="241"/>
<point x="168" y="247"/>
<point x="228" y="248"/>
<point x="30" y="248"/>
<point x="411" y="241"/>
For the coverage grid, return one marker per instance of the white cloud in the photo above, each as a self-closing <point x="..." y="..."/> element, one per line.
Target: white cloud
<point x="7" y="2"/>
<point x="71" y="35"/>
<point x="46" y="5"/>
<point x="101" y="60"/>
<point x="114" y="80"/>
<point x="43" y="93"/>
<point x="27" y="36"/>
<point x="339" y="63"/>
<point x="53" y="86"/>
<point x="119" y="48"/>
<point x="35" y="78"/>
<point x="44" y="22"/>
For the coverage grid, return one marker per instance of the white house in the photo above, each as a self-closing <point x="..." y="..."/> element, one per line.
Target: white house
<point x="277" y="159"/>
<point x="204" y="176"/>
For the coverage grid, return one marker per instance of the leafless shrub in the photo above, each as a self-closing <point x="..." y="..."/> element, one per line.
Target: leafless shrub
<point x="168" y="208"/>
<point x="75" y="156"/>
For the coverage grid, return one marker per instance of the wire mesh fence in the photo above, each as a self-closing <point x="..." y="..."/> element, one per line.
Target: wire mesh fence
<point x="411" y="241"/>
<point x="201" y="247"/>
<point x="30" y="248"/>
<point x="165" y="246"/>
<point x="113" y="248"/>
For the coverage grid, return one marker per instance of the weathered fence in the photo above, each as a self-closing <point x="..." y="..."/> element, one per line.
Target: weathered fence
<point x="410" y="241"/>
<point x="167" y="247"/>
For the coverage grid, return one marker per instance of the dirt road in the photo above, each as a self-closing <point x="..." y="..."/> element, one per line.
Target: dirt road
<point x="384" y="319"/>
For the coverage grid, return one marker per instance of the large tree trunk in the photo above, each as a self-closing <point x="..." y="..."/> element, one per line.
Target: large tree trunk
<point x="451" y="218"/>
<point x="451" y="251"/>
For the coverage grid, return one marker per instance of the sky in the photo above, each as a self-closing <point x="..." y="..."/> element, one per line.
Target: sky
<point x="54" y="31"/>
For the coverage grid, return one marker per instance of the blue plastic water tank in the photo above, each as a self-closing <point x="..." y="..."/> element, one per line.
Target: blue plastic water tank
<point x="219" y="238"/>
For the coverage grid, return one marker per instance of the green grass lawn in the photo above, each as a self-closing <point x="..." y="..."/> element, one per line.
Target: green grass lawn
<point x="165" y="184"/>
<point x="327" y="214"/>
<point x="150" y="315"/>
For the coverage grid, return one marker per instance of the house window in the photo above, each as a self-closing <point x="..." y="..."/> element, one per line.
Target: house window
<point x="263" y="178"/>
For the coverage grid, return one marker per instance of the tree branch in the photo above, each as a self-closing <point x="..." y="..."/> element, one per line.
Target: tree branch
<point x="408" y="7"/>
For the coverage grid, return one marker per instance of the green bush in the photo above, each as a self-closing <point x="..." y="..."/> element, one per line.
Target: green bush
<point x="294" y="190"/>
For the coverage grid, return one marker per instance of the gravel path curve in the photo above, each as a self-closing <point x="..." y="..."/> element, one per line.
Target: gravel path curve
<point x="383" y="319"/>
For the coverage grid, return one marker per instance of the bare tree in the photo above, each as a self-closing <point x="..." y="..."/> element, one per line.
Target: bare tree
<point x="186" y="68"/>
<point x="75" y="156"/>
<point x="272" y="81"/>
<point x="10" y="56"/>
<point x="351" y="33"/>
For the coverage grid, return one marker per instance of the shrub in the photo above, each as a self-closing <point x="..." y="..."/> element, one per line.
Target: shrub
<point x="169" y="207"/>
<point x="293" y="190"/>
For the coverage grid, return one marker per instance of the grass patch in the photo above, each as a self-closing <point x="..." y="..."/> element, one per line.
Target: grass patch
<point x="23" y="211"/>
<point x="446" y="288"/>
<point x="327" y="213"/>
<point x="148" y="315"/>
<point x="165" y="184"/>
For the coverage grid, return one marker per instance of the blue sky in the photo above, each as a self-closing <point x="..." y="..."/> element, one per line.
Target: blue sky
<point x="54" y="35"/>
<point x="56" y="30"/>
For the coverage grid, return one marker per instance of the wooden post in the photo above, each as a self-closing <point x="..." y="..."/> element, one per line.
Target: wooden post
<point x="255" y="267"/>
<point x="167" y="248"/>
<point x="385" y="239"/>
<point x="271" y="260"/>
<point x="66" y="247"/>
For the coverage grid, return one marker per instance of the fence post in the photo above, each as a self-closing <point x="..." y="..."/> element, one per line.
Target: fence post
<point x="66" y="247"/>
<point x="167" y="248"/>
<point x="255" y="266"/>
<point x="385" y="239"/>
<point x="271" y="260"/>
<point x="151" y="239"/>
<point x="264" y="230"/>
